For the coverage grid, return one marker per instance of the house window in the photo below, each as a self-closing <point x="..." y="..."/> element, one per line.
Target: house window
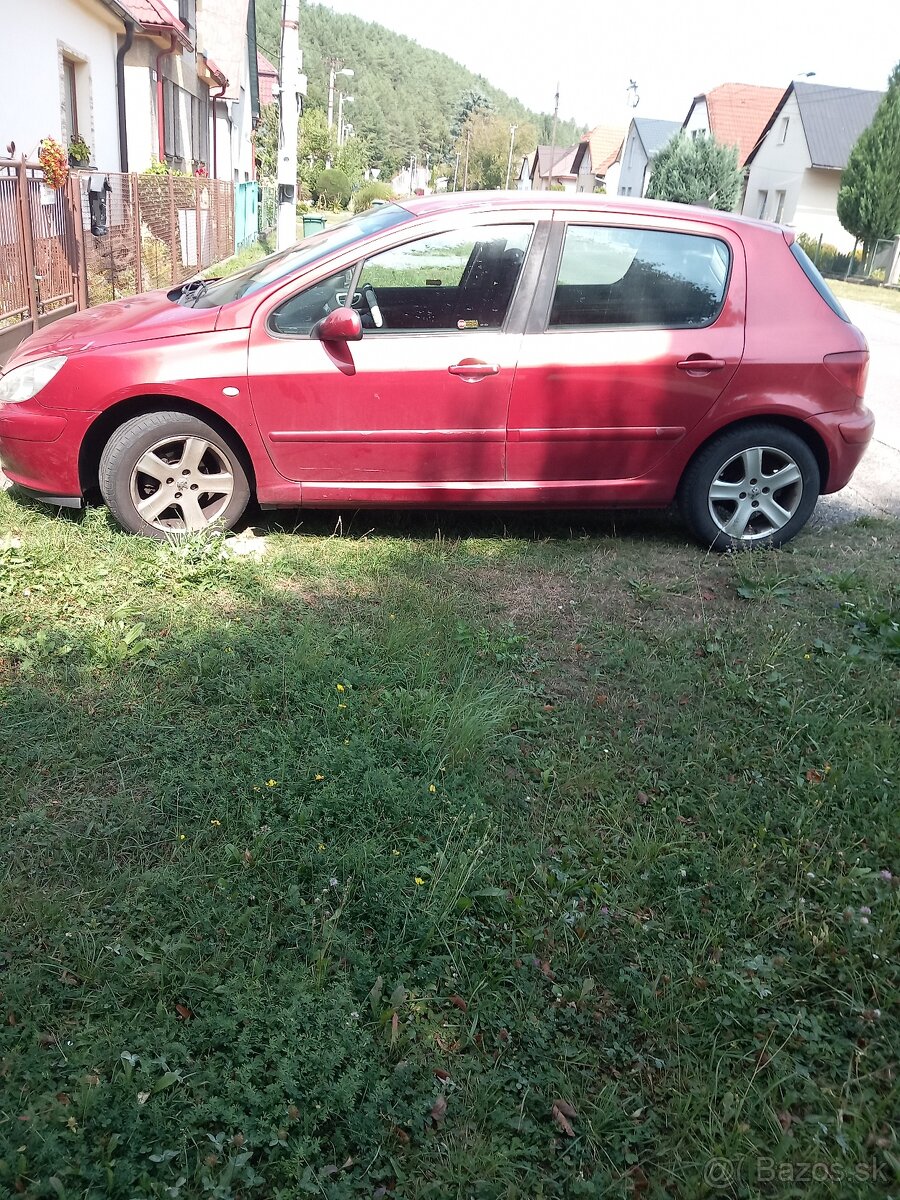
<point x="648" y="277"/>
<point x="779" y="207"/>
<point x="187" y="14"/>
<point x="782" y="132"/>
<point x="763" y="202"/>
<point x="70" y="102"/>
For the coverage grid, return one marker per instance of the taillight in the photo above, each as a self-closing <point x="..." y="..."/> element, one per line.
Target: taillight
<point x="850" y="368"/>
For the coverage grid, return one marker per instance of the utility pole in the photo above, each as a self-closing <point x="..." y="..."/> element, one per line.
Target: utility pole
<point x="456" y="171"/>
<point x="552" y="141"/>
<point x="512" y="138"/>
<point x="336" y="68"/>
<point x="287" y="135"/>
<point x="466" y="173"/>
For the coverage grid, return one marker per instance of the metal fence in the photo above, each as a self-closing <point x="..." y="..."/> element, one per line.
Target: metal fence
<point x="39" y="279"/>
<point x="268" y="208"/>
<point x="150" y="231"/>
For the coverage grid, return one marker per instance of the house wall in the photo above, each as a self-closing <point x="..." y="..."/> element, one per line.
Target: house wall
<point x="188" y="138"/>
<point x="816" y="211"/>
<point x="778" y="166"/>
<point x="612" y="179"/>
<point x="634" y="162"/>
<point x="32" y="84"/>
<point x="698" y="120"/>
<point x="585" y="180"/>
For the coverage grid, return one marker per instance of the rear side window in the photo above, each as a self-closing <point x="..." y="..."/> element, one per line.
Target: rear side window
<point x="648" y="277"/>
<point x="811" y="271"/>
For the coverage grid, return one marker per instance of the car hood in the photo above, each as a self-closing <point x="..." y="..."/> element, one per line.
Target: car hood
<point x="137" y="319"/>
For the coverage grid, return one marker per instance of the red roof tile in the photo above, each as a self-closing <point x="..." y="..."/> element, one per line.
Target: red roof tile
<point x="154" y="17"/>
<point x="605" y="142"/>
<point x="739" y="112"/>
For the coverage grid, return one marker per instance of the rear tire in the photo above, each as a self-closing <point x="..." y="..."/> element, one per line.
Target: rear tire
<point x="169" y="473"/>
<point x="752" y="486"/>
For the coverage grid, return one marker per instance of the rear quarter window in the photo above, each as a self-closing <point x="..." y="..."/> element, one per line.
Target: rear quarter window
<point x="811" y="271"/>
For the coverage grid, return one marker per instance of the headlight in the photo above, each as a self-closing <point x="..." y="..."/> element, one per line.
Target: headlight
<point x="21" y="383"/>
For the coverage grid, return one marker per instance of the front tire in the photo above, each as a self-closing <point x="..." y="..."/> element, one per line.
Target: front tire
<point x="753" y="486"/>
<point x="166" y="473"/>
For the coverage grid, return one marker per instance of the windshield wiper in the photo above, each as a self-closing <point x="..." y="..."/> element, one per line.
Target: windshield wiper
<point x="192" y="291"/>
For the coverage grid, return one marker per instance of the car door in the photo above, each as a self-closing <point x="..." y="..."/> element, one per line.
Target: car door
<point x="637" y="329"/>
<point x="422" y="399"/>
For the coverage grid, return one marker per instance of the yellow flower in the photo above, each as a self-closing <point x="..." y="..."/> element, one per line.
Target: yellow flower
<point x="319" y="778"/>
<point x="215" y="822"/>
<point x="271" y="783"/>
<point x="807" y="657"/>
<point x="321" y="847"/>
<point x="419" y="881"/>
<point x="396" y="853"/>
<point x="346" y="741"/>
<point x="182" y="836"/>
<point x="342" y="706"/>
<point x="340" y="687"/>
<point x="432" y="788"/>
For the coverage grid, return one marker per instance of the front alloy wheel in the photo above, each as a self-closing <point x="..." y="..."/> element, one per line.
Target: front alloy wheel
<point x="168" y="473"/>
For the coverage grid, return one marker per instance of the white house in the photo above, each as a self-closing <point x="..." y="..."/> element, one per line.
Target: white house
<point x="595" y="159"/>
<point x="643" y="141"/>
<point x="58" y="77"/>
<point x="135" y="79"/>
<point x="795" y="168"/>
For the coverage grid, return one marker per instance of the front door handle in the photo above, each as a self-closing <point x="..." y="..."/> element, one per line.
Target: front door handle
<point x="699" y="364"/>
<point x="473" y="369"/>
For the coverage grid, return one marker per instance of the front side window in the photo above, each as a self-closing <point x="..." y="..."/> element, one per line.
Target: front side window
<point x="450" y="281"/>
<point x="648" y="277"/>
<point x="298" y="315"/>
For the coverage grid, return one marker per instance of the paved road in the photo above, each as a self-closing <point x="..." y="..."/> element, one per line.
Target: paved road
<point x="875" y="487"/>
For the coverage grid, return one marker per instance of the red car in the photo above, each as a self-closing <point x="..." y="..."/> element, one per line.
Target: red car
<point x="505" y="349"/>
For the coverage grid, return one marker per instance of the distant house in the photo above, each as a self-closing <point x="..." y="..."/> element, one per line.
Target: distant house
<point x="597" y="152"/>
<point x="523" y="179"/>
<point x="268" y="78"/>
<point x="552" y="168"/>
<point x="643" y="141"/>
<point x="734" y="113"/>
<point x="795" y="167"/>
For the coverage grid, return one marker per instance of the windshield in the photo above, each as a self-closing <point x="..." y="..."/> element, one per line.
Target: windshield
<point x="276" y="266"/>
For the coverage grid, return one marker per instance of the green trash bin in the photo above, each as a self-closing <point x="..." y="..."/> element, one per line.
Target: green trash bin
<point x="313" y="225"/>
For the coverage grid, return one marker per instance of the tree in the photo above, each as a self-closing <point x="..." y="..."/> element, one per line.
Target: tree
<point x="868" y="204"/>
<point x="471" y="102"/>
<point x="488" y="148"/>
<point x="696" y="171"/>
<point x="332" y="188"/>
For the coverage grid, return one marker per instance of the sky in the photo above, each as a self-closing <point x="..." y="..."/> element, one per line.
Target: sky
<point x="594" y="48"/>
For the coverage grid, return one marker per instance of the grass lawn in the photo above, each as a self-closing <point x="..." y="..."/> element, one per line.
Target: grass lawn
<point x="882" y="296"/>
<point x="448" y="856"/>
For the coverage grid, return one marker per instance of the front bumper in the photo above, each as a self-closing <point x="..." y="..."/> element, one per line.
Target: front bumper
<point x="39" y="450"/>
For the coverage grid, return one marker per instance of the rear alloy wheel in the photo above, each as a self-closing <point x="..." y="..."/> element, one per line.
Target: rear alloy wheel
<point x="168" y="473"/>
<point x="753" y="486"/>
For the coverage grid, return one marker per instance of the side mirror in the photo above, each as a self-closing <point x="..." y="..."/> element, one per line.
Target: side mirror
<point x="341" y="325"/>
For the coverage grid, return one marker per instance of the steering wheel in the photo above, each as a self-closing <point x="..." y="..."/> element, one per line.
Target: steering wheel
<point x="372" y="301"/>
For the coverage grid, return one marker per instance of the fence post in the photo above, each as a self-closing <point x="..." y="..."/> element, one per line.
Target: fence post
<point x="27" y="243"/>
<point x="138" y="245"/>
<point x="172" y="237"/>
<point x="197" y="223"/>
<point x="73" y="197"/>
<point x="818" y="250"/>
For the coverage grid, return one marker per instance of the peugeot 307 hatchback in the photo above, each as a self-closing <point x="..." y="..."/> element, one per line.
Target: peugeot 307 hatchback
<point x="505" y="349"/>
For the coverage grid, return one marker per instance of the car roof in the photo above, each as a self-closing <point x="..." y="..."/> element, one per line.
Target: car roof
<point x="426" y="206"/>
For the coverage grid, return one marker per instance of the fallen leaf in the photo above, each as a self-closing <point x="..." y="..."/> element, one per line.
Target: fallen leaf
<point x="69" y="979"/>
<point x="447" y="1047"/>
<point x="600" y="699"/>
<point x="143" y="1097"/>
<point x="63" y="1097"/>
<point x="184" y="1012"/>
<point x="814" y="776"/>
<point x="565" y="1108"/>
<point x="458" y="1002"/>
<point x="92" y="1080"/>
<point x="643" y="798"/>
<point x="640" y="1182"/>
<point x="401" y="1135"/>
<point x="785" y="1120"/>
<point x="11" y="1018"/>
<point x="561" y="1119"/>
<point x="439" y="1110"/>
<point x="441" y="1074"/>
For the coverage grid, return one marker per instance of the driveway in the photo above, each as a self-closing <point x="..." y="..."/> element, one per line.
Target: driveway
<point x="875" y="487"/>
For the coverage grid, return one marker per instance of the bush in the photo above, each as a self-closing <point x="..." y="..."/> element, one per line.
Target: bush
<point x="369" y="192"/>
<point x="332" y="188"/>
<point x="828" y="258"/>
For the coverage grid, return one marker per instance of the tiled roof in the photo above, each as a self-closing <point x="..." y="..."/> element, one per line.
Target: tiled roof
<point x="268" y="78"/>
<point x="154" y="17"/>
<point x="738" y="113"/>
<point x="654" y="134"/>
<point x="604" y="143"/>
<point x="561" y="161"/>
<point x="833" y="118"/>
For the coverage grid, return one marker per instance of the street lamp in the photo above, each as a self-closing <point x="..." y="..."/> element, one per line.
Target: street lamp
<point x="336" y="69"/>
<point x="342" y="100"/>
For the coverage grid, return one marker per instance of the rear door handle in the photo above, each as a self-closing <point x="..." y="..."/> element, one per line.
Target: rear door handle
<point x="698" y="364"/>
<point x="473" y="369"/>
